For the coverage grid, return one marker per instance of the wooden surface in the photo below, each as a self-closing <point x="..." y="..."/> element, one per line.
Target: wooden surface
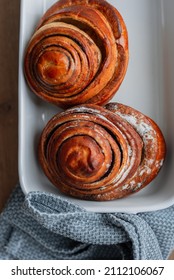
<point x="9" y="32"/>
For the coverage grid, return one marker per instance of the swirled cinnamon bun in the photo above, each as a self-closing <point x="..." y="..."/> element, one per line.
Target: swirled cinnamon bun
<point x="97" y="153"/>
<point x="78" y="54"/>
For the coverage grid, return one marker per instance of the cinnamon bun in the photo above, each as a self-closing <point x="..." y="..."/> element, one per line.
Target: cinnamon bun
<point x="78" y="53"/>
<point x="97" y="153"/>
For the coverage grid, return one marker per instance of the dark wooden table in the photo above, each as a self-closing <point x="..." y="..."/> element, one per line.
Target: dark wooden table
<point x="9" y="33"/>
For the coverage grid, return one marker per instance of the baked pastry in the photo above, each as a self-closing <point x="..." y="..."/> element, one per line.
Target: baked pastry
<point x="78" y="54"/>
<point x="97" y="153"/>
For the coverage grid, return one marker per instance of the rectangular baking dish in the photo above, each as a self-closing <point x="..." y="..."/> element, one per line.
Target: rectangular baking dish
<point x="148" y="87"/>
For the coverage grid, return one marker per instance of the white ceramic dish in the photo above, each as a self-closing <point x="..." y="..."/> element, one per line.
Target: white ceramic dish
<point x="148" y="87"/>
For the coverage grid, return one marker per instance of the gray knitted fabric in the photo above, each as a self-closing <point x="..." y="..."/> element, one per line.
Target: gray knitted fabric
<point x="44" y="226"/>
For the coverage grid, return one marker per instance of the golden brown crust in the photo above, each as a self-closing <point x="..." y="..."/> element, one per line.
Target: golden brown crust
<point x="78" y="54"/>
<point x="154" y="147"/>
<point x="97" y="153"/>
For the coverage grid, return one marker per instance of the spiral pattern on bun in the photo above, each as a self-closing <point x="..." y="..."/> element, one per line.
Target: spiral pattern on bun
<point x="95" y="153"/>
<point x="78" y="54"/>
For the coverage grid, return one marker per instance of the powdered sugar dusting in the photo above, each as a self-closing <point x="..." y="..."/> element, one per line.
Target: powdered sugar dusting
<point x="141" y="126"/>
<point x="145" y="170"/>
<point x="138" y="186"/>
<point x="159" y="163"/>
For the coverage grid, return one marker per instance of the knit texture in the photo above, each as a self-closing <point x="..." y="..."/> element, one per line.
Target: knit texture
<point x="44" y="226"/>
